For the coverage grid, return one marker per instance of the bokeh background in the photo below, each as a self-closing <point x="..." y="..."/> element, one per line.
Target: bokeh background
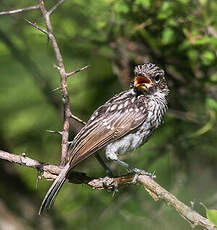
<point x="111" y="36"/>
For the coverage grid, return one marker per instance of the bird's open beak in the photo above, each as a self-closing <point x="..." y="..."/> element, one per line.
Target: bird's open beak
<point x="142" y="81"/>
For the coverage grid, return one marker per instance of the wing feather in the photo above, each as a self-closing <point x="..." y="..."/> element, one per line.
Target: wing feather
<point x="108" y="125"/>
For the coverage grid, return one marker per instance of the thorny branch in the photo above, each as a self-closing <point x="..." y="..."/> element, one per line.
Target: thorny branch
<point x="63" y="80"/>
<point x="152" y="187"/>
<point x="51" y="171"/>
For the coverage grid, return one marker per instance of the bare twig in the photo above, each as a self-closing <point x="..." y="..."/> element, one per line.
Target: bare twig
<point x="63" y="80"/>
<point x="78" y="70"/>
<point x="36" y="26"/>
<point x="153" y="188"/>
<point x="187" y="116"/>
<point x="19" y="10"/>
<point x="26" y="161"/>
<point x="55" y="6"/>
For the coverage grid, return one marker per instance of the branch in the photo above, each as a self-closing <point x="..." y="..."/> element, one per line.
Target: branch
<point x="26" y="161"/>
<point x="153" y="188"/>
<point x="19" y="10"/>
<point x="63" y="78"/>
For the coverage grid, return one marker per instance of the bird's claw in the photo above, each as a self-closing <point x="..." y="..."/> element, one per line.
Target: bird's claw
<point x="134" y="180"/>
<point x="141" y="172"/>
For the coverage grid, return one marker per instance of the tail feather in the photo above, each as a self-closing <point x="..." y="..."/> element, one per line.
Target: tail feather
<point x="54" y="189"/>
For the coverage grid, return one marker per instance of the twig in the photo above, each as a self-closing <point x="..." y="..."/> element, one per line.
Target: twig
<point x="63" y="80"/>
<point x="76" y="71"/>
<point x="19" y="10"/>
<point x="26" y="161"/>
<point x="55" y="6"/>
<point x="36" y="26"/>
<point x="186" y="116"/>
<point x="153" y="188"/>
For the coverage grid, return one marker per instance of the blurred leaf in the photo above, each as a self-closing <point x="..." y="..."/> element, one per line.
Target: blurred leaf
<point x="146" y="4"/>
<point x="121" y="7"/>
<point x="211" y="103"/>
<point x="167" y="36"/>
<point x="208" y="57"/>
<point x="211" y="214"/>
<point x="213" y="77"/>
<point x="165" y="10"/>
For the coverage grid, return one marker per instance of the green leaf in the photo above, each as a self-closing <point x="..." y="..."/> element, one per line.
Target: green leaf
<point x="211" y="103"/>
<point x="165" y="11"/>
<point x="167" y="36"/>
<point x="213" y="77"/>
<point x="208" y="57"/>
<point x="206" y="40"/>
<point x="146" y="4"/>
<point x="121" y="7"/>
<point x="211" y="214"/>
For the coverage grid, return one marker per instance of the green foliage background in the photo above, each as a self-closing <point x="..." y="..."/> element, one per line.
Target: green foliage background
<point x="110" y="36"/>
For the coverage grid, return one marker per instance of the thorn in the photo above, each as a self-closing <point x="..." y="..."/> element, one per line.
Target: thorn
<point x="59" y="88"/>
<point x="34" y="24"/>
<point x="54" y="131"/>
<point x="77" y="119"/>
<point x="23" y="154"/>
<point x="56" y="66"/>
<point x="38" y="178"/>
<point x="192" y="204"/>
<point x="153" y="176"/>
<point x="78" y="70"/>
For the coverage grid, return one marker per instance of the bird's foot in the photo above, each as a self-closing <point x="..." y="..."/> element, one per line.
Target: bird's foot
<point x="141" y="172"/>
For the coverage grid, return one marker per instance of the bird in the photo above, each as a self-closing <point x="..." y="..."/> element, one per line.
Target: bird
<point x="122" y="124"/>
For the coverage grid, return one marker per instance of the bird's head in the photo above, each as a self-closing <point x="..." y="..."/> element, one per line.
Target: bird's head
<point x="149" y="79"/>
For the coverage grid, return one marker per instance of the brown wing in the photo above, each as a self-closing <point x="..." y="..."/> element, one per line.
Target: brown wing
<point x="113" y="120"/>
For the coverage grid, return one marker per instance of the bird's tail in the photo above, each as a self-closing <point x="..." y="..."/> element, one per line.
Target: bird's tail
<point x="54" y="189"/>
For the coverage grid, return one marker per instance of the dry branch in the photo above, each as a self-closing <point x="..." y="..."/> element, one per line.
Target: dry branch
<point x="19" y="10"/>
<point x="153" y="188"/>
<point x="63" y="78"/>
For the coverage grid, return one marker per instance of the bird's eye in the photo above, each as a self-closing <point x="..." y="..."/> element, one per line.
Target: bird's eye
<point x="157" y="78"/>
